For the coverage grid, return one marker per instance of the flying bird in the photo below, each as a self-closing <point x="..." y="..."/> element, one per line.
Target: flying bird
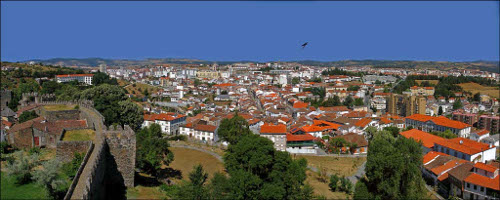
<point x="304" y="45"/>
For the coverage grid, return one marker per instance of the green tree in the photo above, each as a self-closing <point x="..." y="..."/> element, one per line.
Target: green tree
<point x="394" y="130"/>
<point x="231" y="130"/>
<point x="349" y="102"/>
<point x="361" y="191"/>
<point x="359" y="102"/>
<point x="50" y="178"/>
<point x="152" y="150"/>
<point x="457" y="104"/>
<point x="195" y="188"/>
<point x="49" y="87"/>
<point x="21" y="167"/>
<point x="334" y="181"/>
<point x="27" y="115"/>
<point x="102" y="78"/>
<point x="345" y="185"/>
<point x="477" y="97"/>
<point x="130" y="114"/>
<point x="402" y="159"/>
<point x="295" y="80"/>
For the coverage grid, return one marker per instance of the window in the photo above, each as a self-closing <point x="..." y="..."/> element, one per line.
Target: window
<point x="475" y="187"/>
<point x="468" y="185"/>
<point x="482" y="189"/>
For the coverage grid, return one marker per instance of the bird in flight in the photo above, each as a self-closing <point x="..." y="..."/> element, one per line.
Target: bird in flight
<point x="304" y="45"/>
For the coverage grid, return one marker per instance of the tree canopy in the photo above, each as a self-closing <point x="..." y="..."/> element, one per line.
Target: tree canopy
<point x="152" y="150"/>
<point x="231" y="130"/>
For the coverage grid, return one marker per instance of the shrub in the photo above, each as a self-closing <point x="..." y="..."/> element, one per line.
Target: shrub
<point x="70" y="168"/>
<point x="34" y="150"/>
<point x="345" y="185"/>
<point x="178" y="137"/>
<point x="334" y="179"/>
<point x="21" y="167"/>
<point x="77" y="107"/>
<point x="170" y="190"/>
<point x="361" y="191"/>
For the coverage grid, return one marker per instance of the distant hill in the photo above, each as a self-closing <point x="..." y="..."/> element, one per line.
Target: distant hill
<point x="492" y="66"/>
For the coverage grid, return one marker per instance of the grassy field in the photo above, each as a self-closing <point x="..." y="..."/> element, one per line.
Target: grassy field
<point x="435" y="82"/>
<point x="475" y="88"/>
<point x="59" y="107"/>
<point x="79" y="135"/>
<point x="10" y="190"/>
<point x="142" y="87"/>
<point x="186" y="159"/>
<point x="342" y="166"/>
<point x="323" y="189"/>
<point x="122" y="82"/>
<point x="145" y="192"/>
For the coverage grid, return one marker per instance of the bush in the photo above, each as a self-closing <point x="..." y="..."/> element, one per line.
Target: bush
<point x="70" y="168"/>
<point x="77" y="107"/>
<point x="334" y="179"/>
<point x="21" y="167"/>
<point x="34" y="150"/>
<point x="170" y="190"/>
<point x="361" y="191"/>
<point x="178" y="137"/>
<point x="345" y="185"/>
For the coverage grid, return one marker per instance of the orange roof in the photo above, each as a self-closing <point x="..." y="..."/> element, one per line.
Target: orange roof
<point x="384" y="120"/>
<point x="485" y="167"/>
<point x="299" y="137"/>
<point x="482" y="132"/>
<point x="300" y="104"/>
<point x="427" y="139"/>
<point x="73" y="75"/>
<point x="441" y="121"/>
<point x="224" y="85"/>
<point x="431" y="155"/>
<point x="206" y="128"/>
<point x="468" y="146"/>
<point x="363" y="122"/>
<point x="273" y="129"/>
<point x="449" y="165"/>
<point x="162" y="117"/>
<point x="493" y="183"/>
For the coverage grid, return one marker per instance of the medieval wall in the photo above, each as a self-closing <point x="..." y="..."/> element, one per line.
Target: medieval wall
<point x="60" y="114"/>
<point x="65" y="150"/>
<point x="122" y="147"/>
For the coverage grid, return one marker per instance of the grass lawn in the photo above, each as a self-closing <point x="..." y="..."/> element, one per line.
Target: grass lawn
<point x="122" y="82"/>
<point x="435" y="82"/>
<point x="9" y="190"/>
<point x="342" y="166"/>
<point x="475" y="88"/>
<point x="186" y="159"/>
<point x="79" y="135"/>
<point x="321" y="188"/>
<point x="215" y="149"/>
<point x="145" y="192"/>
<point x="59" y="107"/>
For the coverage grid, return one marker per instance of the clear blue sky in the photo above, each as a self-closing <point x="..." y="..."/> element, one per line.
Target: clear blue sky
<point x="260" y="31"/>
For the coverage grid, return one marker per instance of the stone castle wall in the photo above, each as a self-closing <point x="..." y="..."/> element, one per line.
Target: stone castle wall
<point x="122" y="146"/>
<point x="65" y="150"/>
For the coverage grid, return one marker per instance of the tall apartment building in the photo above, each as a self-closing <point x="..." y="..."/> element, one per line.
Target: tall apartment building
<point x="406" y="104"/>
<point x="467" y="118"/>
<point x="207" y="74"/>
<point x="491" y="123"/>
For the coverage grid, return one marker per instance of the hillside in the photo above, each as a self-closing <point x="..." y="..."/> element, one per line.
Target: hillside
<point x="492" y="66"/>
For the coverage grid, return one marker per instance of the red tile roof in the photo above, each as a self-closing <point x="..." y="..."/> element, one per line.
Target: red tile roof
<point x="493" y="183"/>
<point x="441" y="121"/>
<point x="224" y="85"/>
<point x="206" y="128"/>
<point x="363" y="122"/>
<point x="464" y="145"/>
<point x="427" y="139"/>
<point x="299" y="137"/>
<point x="431" y="155"/>
<point x="162" y="117"/>
<point x="485" y="167"/>
<point x="300" y="104"/>
<point x="273" y="129"/>
<point x="73" y="75"/>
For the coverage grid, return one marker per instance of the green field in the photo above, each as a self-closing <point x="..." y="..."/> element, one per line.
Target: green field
<point x="79" y="135"/>
<point x="59" y="107"/>
<point x="9" y="190"/>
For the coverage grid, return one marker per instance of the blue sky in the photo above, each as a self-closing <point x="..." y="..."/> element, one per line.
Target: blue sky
<point x="259" y="31"/>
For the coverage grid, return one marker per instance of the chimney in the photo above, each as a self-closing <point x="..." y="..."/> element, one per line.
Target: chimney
<point x="461" y="141"/>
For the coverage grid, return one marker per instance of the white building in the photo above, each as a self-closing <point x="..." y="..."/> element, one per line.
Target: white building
<point x="466" y="149"/>
<point x="82" y="78"/>
<point x="169" y="122"/>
